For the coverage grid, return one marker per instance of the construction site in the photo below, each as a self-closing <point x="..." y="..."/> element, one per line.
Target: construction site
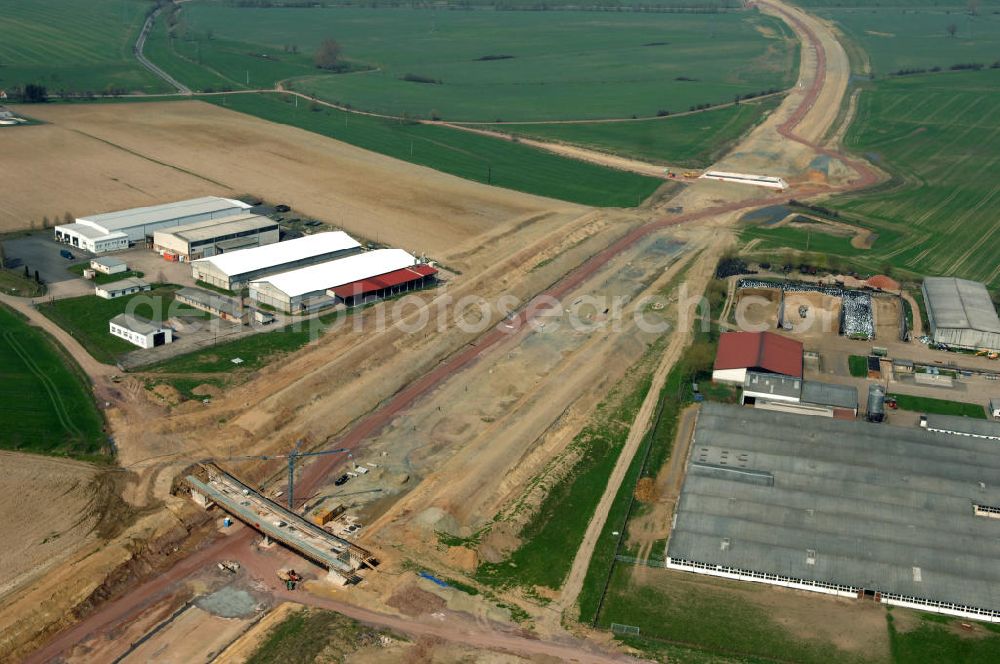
<point x="456" y="466"/>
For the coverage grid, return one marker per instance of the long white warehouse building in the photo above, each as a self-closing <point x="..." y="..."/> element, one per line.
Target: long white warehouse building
<point x="234" y="270"/>
<point x="306" y="289"/>
<point x="114" y="231"/>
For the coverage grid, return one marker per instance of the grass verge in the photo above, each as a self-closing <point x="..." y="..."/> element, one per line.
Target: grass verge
<point x="101" y="278"/>
<point x="305" y="635"/>
<point x="15" y="283"/>
<point x="939" y="406"/>
<point x="858" y="365"/>
<point x="556" y="528"/>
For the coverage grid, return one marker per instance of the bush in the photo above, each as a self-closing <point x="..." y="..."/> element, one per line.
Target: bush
<point x="417" y="78"/>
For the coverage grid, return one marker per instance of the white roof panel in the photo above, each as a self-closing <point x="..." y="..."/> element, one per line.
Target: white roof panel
<point x="113" y="221"/>
<point x="339" y="272"/>
<point x="89" y="232"/>
<point x="261" y="258"/>
<point x="961" y="304"/>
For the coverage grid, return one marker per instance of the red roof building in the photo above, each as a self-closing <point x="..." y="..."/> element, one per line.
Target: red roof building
<point x="384" y="285"/>
<point x="763" y="352"/>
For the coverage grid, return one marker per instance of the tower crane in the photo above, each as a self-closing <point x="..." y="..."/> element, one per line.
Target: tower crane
<point x="292" y="457"/>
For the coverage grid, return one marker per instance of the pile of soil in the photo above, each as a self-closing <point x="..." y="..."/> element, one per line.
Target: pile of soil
<point x="413" y="601"/>
<point x="645" y="490"/>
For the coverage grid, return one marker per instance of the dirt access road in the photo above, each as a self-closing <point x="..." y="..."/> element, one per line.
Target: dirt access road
<point x="814" y="119"/>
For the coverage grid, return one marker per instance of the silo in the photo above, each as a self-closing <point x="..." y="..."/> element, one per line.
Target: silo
<point x="876" y="403"/>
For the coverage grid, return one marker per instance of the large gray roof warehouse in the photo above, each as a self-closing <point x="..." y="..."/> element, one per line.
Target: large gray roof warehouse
<point x="961" y="313"/>
<point x="843" y="507"/>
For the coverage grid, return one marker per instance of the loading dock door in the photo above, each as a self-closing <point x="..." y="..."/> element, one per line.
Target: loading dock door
<point x="159" y="338"/>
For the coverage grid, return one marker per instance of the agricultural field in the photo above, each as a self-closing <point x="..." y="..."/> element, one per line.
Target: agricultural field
<point x="86" y="318"/>
<point x="918" y="37"/>
<point x="470" y="156"/>
<point x="692" y="140"/>
<point x="484" y="65"/>
<point x="937" y="136"/>
<point x="205" y="62"/>
<point x="73" y="47"/>
<point x="45" y="403"/>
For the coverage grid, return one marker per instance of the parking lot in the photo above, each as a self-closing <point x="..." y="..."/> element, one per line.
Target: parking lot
<point x="39" y="251"/>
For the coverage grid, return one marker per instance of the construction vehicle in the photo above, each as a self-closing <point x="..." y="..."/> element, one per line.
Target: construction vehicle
<point x="290" y="577"/>
<point x="692" y="174"/>
<point x="987" y="353"/>
<point x="231" y="566"/>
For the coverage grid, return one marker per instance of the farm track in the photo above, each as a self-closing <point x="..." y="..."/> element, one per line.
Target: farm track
<point x="140" y="45"/>
<point x="312" y="476"/>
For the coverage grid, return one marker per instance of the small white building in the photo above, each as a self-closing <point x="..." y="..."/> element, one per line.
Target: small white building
<point x="108" y="265"/>
<point x="140" y="331"/>
<point x="121" y="288"/>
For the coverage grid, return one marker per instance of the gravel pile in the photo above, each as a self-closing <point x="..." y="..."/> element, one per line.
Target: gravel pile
<point x="856" y="318"/>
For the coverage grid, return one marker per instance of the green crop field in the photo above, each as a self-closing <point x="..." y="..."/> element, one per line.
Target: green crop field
<point x="73" y="46"/>
<point x="909" y="37"/>
<point x="45" y="404"/>
<point x="484" y="65"/>
<point x="467" y="155"/>
<point x="692" y="140"/>
<point x="938" y="136"/>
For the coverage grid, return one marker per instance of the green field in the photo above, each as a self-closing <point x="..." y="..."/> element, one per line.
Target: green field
<point x="467" y="155"/>
<point x="206" y="62"/>
<point x="933" y="406"/>
<point x="73" y="46"/>
<point x="561" y="64"/>
<point x="907" y="37"/>
<point x="858" y="365"/>
<point x="45" y="402"/>
<point x="86" y="318"/>
<point x="255" y="350"/>
<point x="940" y="639"/>
<point x="692" y="140"/>
<point x="937" y="135"/>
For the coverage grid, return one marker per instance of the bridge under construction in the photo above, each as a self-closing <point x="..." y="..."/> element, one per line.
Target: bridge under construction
<point x="342" y="558"/>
